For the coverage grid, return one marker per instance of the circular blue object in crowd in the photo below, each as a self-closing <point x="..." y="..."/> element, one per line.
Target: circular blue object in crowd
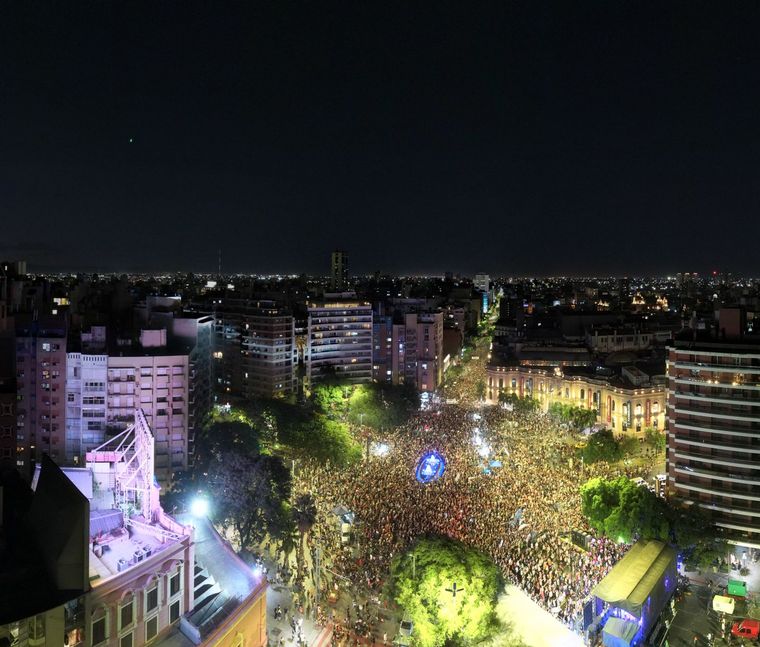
<point x="430" y="467"/>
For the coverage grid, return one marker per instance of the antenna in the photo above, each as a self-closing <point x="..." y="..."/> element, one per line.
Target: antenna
<point x="220" y="261"/>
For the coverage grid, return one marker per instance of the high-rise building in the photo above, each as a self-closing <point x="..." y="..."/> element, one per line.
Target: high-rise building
<point x="409" y="350"/>
<point x="194" y="332"/>
<point x="714" y="424"/>
<point x="254" y="350"/>
<point x="339" y="341"/>
<point x="482" y="282"/>
<point x="86" y="404"/>
<point x="339" y="271"/>
<point x="40" y="384"/>
<point x="158" y="382"/>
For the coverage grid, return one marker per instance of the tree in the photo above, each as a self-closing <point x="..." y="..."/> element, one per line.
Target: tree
<point x="249" y="494"/>
<point x="321" y="438"/>
<point x="655" y="438"/>
<point x="382" y="406"/>
<point x="480" y="389"/>
<point x="602" y="446"/>
<point x="305" y="516"/>
<point x="623" y="510"/>
<point x="423" y="582"/>
<point x="519" y="405"/>
<point x="331" y="398"/>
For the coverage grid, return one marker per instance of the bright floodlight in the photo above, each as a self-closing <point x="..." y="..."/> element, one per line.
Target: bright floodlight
<point x="484" y="451"/>
<point x="199" y="507"/>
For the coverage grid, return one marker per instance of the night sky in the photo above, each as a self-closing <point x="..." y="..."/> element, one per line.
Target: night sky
<point x="514" y="137"/>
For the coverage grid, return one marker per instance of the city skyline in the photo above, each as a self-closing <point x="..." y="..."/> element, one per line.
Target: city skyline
<point x="543" y="139"/>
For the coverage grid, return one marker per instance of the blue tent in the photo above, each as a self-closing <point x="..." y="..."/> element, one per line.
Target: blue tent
<point x="619" y="633"/>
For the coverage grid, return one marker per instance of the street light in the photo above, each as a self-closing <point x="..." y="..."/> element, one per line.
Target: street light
<point x="199" y="507"/>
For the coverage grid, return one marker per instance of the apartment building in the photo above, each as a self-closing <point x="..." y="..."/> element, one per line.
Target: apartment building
<point x="408" y="349"/>
<point x="40" y="385"/>
<point x="254" y="349"/>
<point x="714" y="425"/>
<point x="339" y="341"/>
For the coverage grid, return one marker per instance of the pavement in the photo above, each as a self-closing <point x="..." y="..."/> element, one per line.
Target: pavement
<point x="315" y="635"/>
<point x="533" y="625"/>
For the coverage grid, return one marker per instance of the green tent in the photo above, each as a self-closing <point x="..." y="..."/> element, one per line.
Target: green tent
<point x="738" y="588"/>
<point x="641" y="583"/>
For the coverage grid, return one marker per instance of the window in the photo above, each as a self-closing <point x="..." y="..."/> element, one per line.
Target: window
<point x="126" y="614"/>
<point x="151" y="627"/>
<point x="70" y="397"/>
<point x="174" y="612"/>
<point x="99" y="631"/>
<point x="174" y="585"/>
<point x="126" y="640"/>
<point x="151" y="599"/>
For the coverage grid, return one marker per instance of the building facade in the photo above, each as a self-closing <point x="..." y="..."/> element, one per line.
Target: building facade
<point x="254" y="349"/>
<point x="40" y="384"/>
<point x="86" y="404"/>
<point x="339" y="341"/>
<point x="410" y="351"/>
<point x="338" y="271"/>
<point x="714" y="431"/>
<point x="621" y="407"/>
<point x="159" y="385"/>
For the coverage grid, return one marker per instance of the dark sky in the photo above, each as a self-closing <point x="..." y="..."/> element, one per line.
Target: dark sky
<point x="516" y="137"/>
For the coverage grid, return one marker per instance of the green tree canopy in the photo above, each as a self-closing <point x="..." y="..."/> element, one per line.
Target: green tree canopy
<point x="577" y="417"/>
<point x="655" y="438"/>
<point x="321" y="438"/>
<point x="382" y="406"/>
<point x="423" y="581"/>
<point x="602" y="446"/>
<point x="623" y="510"/>
<point x="250" y="494"/>
<point x="519" y="405"/>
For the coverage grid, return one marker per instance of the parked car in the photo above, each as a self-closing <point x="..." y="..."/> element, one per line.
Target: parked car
<point x="746" y="629"/>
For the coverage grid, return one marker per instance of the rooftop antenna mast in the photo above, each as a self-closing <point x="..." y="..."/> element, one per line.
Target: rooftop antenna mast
<point x="220" y="261"/>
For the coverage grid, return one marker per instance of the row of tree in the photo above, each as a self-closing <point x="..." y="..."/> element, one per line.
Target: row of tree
<point x="518" y="404"/>
<point x="576" y="417"/>
<point x="625" y="511"/>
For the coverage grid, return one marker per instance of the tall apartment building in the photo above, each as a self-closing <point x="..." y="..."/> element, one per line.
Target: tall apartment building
<point x="409" y="350"/>
<point x="197" y="333"/>
<point x="194" y="332"/>
<point x="482" y="282"/>
<point x="339" y="271"/>
<point x="339" y="341"/>
<point x="254" y="349"/>
<point x="714" y="424"/>
<point x="157" y="381"/>
<point x="7" y="423"/>
<point x="86" y="404"/>
<point x="40" y="384"/>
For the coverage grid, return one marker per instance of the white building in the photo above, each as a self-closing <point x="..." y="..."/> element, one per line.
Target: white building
<point x="158" y="384"/>
<point x="86" y="406"/>
<point x="339" y="341"/>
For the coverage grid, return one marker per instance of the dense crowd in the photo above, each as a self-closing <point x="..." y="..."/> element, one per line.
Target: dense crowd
<point x="520" y="513"/>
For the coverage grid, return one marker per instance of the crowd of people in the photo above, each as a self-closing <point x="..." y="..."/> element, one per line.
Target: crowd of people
<point x="517" y="504"/>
